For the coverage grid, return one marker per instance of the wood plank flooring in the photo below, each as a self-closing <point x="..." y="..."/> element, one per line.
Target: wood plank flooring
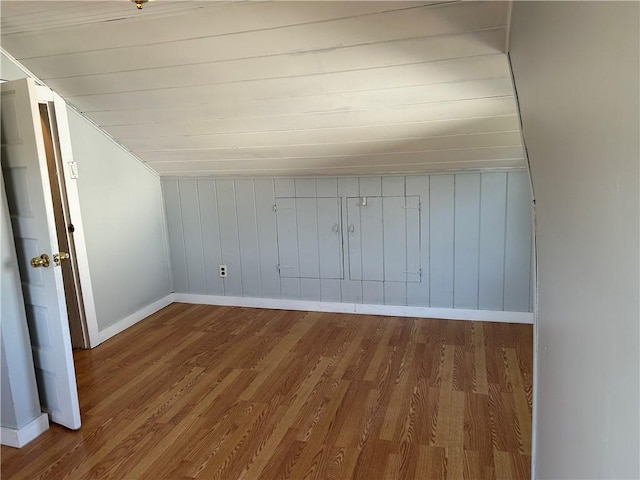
<point x="236" y="393"/>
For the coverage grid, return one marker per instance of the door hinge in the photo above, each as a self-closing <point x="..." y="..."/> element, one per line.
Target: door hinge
<point x="284" y="267"/>
<point x="276" y="209"/>
<point x="416" y="272"/>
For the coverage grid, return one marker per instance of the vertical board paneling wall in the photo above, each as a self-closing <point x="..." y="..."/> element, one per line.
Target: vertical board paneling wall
<point x="475" y="239"/>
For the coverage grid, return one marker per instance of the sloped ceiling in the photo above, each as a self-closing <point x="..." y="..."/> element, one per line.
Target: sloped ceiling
<point x="281" y="88"/>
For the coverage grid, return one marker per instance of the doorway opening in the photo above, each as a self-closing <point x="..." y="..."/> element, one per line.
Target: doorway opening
<point x="64" y="228"/>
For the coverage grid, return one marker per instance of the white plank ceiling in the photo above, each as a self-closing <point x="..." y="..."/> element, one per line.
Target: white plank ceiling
<point x="281" y="88"/>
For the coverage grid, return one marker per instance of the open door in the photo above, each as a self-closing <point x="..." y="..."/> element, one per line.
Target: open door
<point x="24" y="166"/>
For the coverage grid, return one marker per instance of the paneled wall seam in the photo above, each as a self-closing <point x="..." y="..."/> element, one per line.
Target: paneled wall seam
<point x="428" y="252"/>
<point x="215" y="195"/>
<point x="275" y="209"/>
<point x="255" y="210"/>
<point x="318" y="243"/>
<point x="206" y="283"/>
<point x="346" y="267"/>
<point x="295" y="208"/>
<point x="384" y="267"/>
<point x="361" y="276"/>
<point x="453" y="295"/>
<point x="479" y="242"/>
<point x="406" y="240"/>
<point x="184" y="243"/>
<point x="504" y="253"/>
<point x="430" y="245"/>
<point x="235" y="208"/>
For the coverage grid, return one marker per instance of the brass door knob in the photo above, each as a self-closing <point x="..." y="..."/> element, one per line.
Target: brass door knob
<point x="41" y="261"/>
<point x="59" y="257"/>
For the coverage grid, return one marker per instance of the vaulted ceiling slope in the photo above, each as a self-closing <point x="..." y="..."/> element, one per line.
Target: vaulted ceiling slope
<point x="281" y="88"/>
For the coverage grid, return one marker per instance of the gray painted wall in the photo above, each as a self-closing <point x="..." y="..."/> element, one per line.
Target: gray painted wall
<point x="471" y="238"/>
<point x="576" y="67"/>
<point x="7" y="404"/>
<point x="123" y="220"/>
<point x="19" y="392"/>
<point x="9" y="70"/>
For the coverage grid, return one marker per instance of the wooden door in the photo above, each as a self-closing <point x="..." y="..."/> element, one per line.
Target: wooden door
<point x="25" y="172"/>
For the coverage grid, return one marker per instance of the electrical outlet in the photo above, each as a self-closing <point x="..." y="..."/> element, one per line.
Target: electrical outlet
<point x="222" y="270"/>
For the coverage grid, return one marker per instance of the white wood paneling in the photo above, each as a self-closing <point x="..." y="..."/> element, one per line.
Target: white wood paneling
<point x="373" y="292"/>
<point x="466" y="240"/>
<point x="394" y="161"/>
<point x="291" y="288"/>
<point x="407" y="145"/>
<point x="282" y="88"/>
<point x="446" y="244"/>
<point x="413" y="261"/>
<point x="309" y="235"/>
<point x="327" y="187"/>
<point x="457" y="115"/>
<point x="383" y="234"/>
<point x="395" y="238"/>
<point x="351" y="290"/>
<point x="210" y="228"/>
<point x="267" y="238"/>
<point x="171" y="194"/>
<point x="308" y="248"/>
<point x="301" y="78"/>
<point x="441" y="242"/>
<point x="361" y="30"/>
<point x="208" y="19"/>
<point x="248" y="238"/>
<point x="191" y="227"/>
<point x="395" y="293"/>
<point x="287" y="225"/>
<point x="305" y="187"/>
<point x="370" y="187"/>
<point x="330" y="290"/>
<point x="285" y="187"/>
<point x="418" y="294"/>
<point x="356" y="58"/>
<point x="395" y="168"/>
<point x="229" y="241"/>
<point x="370" y="225"/>
<point x="20" y="17"/>
<point x="456" y="129"/>
<point x="356" y="242"/>
<point x="225" y="102"/>
<point x="329" y="237"/>
<point x="517" y="275"/>
<point x="493" y="198"/>
<point x="310" y="289"/>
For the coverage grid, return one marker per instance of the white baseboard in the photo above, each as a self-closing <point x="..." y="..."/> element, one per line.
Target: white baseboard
<point x="365" y="309"/>
<point x="134" y="318"/>
<point x="18" y="438"/>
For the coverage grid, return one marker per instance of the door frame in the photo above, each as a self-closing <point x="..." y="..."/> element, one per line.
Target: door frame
<point x="46" y="95"/>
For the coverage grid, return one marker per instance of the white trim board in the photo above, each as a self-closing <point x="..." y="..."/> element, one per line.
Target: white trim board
<point x="18" y="438"/>
<point x="134" y="318"/>
<point x="73" y="202"/>
<point x="364" y="309"/>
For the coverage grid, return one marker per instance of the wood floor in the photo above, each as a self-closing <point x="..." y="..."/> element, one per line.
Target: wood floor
<point x="228" y="393"/>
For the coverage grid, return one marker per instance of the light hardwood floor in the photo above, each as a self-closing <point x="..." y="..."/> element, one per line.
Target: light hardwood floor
<point x="227" y="393"/>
